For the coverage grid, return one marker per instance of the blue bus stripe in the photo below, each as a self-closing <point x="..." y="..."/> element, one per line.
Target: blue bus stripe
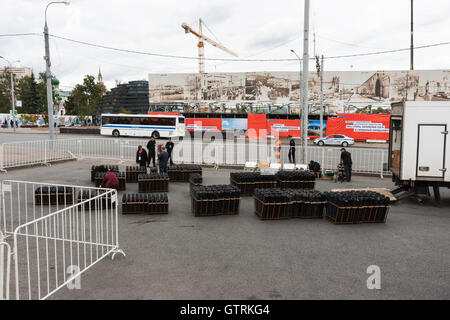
<point x="137" y="127"/>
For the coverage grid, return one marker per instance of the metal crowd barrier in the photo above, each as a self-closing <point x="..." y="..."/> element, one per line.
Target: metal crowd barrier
<point x="57" y="232"/>
<point x="218" y="153"/>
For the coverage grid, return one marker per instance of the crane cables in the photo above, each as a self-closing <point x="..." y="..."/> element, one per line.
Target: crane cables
<point x="227" y="59"/>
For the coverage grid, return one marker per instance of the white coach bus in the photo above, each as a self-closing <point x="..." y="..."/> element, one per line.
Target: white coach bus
<point x="140" y="125"/>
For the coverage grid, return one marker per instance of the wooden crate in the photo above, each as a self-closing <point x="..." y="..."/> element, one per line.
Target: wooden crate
<point x="342" y="215"/>
<point x="307" y="210"/>
<point x="296" y="184"/>
<point x="149" y="185"/>
<point x="374" y="214"/>
<point x="271" y="211"/>
<point x="133" y="172"/>
<point x="214" y="207"/>
<point x="53" y="197"/>
<point x="247" y="188"/>
<point x="144" y="206"/>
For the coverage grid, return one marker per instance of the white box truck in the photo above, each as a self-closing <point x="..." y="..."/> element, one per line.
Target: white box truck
<point x="419" y="146"/>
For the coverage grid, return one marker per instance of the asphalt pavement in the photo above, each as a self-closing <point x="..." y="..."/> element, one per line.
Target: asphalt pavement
<point x="179" y="256"/>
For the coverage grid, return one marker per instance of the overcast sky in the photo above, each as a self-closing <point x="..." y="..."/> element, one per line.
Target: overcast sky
<point x="261" y="29"/>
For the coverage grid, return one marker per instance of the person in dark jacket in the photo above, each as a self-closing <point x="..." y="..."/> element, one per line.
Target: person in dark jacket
<point x="169" y="148"/>
<point x="163" y="158"/>
<point x="110" y="180"/>
<point x="141" y="156"/>
<point x="346" y="160"/>
<point x="151" y="145"/>
<point x="291" y="153"/>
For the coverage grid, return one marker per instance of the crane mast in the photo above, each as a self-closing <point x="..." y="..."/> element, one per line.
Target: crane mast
<point x="201" y="45"/>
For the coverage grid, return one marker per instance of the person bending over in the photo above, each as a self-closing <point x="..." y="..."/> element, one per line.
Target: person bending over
<point x="346" y="160"/>
<point x="110" y="180"/>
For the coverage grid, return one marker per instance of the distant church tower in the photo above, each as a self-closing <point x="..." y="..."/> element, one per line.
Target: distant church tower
<point x="100" y="80"/>
<point x="99" y="77"/>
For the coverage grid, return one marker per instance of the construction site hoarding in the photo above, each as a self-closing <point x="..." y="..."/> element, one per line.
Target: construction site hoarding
<point x="358" y="88"/>
<point x="361" y="127"/>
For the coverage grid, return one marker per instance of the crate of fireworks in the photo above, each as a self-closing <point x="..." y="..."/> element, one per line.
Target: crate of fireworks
<point x="356" y="206"/>
<point x="214" y="207"/>
<point x="120" y="176"/>
<point x="215" y="200"/>
<point x="306" y="203"/>
<point x="104" y="202"/>
<point x="145" y="203"/>
<point x="195" y="179"/>
<point x="299" y="179"/>
<point x="102" y="168"/>
<point x="343" y="215"/>
<point x="296" y="184"/>
<point x="374" y="214"/>
<point x="53" y="195"/>
<point x="306" y="209"/>
<point x="271" y="210"/>
<point x="133" y="172"/>
<point x="153" y="182"/>
<point x="181" y="173"/>
<point x="248" y="188"/>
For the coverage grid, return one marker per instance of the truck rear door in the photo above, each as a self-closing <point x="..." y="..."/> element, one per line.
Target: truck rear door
<point x="431" y="150"/>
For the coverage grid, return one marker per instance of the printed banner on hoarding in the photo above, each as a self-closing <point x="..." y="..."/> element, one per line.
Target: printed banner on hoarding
<point x="203" y="124"/>
<point x="360" y="126"/>
<point x="284" y="127"/>
<point x="234" y="124"/>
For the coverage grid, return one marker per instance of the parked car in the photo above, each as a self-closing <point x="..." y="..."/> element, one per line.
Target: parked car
<point x="335" y="140"/>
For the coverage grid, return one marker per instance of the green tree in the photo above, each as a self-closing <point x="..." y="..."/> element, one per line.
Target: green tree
<point x="30" y="95"/>
<point x="84" y="98"/>
<point x="5" y="91"/>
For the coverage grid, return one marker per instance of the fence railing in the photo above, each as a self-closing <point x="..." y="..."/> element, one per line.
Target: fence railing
<point x="5" y="268"/>
<point x="223" y="152"/>
<point x="57" y="231"/>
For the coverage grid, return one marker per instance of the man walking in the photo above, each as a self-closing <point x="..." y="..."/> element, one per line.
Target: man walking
<point x="346" y="160"/>
<point x="151" y="145"/>
<point x="169" y="147"/>
<point x="163" y="158"/>
<point x="291" y="153"/>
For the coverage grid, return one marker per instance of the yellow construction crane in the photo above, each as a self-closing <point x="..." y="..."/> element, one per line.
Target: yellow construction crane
<point x="201" y="48"/>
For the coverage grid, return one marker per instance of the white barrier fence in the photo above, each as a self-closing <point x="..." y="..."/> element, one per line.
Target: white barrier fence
<point x="219" y="152"/>
<point x="5" y="268"/>
<point x="57" y="232"/>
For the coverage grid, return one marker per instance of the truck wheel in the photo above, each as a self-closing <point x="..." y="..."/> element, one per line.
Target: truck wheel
<point x="320" y="143"/>
<point x="344" y="144"/>
<point x="116" y="133"/>
<point x="155" y="134"/>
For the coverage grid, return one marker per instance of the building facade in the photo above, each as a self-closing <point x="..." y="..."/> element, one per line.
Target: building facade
<point x="128" y="97"/>
<point x="18" y="73"/>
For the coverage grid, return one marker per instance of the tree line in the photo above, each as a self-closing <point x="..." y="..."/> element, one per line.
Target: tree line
<point x="82" y="101"/>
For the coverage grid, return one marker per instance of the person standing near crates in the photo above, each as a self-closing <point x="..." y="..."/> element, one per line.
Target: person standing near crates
<point x="291" y="153"/>
<point x="141" y="156"/>
<point x="151" y="145"/>
<point x="169" y="148"/>
<point x="163" y="158"/>
<point x="346" y="161"/>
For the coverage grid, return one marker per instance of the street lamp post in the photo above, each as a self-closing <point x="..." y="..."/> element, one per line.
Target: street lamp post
<point x="300" y="112"/>
<point x="12" y="92"/>
<point x="48" y="75"/>
<point x="305" y="76"/>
